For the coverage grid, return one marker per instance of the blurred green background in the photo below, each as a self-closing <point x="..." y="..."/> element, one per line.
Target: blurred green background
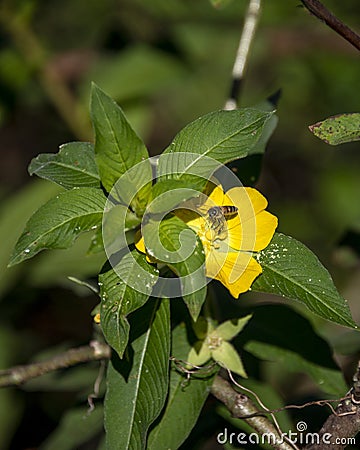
<point x="166" y="62"/>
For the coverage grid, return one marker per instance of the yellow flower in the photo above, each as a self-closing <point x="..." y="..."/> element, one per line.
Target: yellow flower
<point x="229" y="251"/>
<point x="230" y="235"/>
<point x="97" y="318"/>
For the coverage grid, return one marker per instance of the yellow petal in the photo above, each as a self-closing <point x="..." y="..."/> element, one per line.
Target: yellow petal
<point x="258" y="201"/>
<point x="139" y="242"/>
<point x="256" y="225"/>
<point x="235" y="233"/>
<point x="140" y="246"/>
<point x="237" y="271"/>
<point x="191" y="218"/>
<point x="97" y="318"/>
<point x="266" y="224"/>
<point x="248" y="200"/>
<point x="215" y="261"/>
<point x="243" y="226"/>
<point x="257" y="233"/>
<point x="216" y="197"/>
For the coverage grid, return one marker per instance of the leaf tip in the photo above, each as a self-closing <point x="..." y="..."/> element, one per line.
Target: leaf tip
<point x="14" y="259"/>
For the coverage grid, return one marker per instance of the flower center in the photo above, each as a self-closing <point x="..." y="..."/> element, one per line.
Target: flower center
<point x="214" y="342"/>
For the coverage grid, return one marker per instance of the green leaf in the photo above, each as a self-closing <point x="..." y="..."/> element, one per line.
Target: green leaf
<point x="167" y="194"/>
<point x="269" y="127"/>
<point x="291" y="270"/>
<point x="228" y="357"/>
<point x="117" y="147"/>
<point x="338" y="129"/>
<point x="202" y="327"/>
<point x="229" y="329"/>
<point x="96" y="244"/>
<point x="119" y="297"/>
<point x="76" y="428"/>
<point x="117" y="221"/>
<point x="57" y="223"/>
<point x="218" y="137"/>
<point x="184" y="402"/>
<point x="137" y="386"/>
<point x="199" y="354"/>
<point x="73" y="166"/>
<point x="175" y="244"/>
<point x="292" y="334"/>
<point x="330" y="380"/>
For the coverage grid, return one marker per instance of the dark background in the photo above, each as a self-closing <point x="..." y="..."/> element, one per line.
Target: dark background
<point x="166" y="62"/>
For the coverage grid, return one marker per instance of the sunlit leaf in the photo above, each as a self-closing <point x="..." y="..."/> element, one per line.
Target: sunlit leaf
<point x="59" y="222"/>
<point x="291" y="270"/>
<point x="73" y="166"/>
<point x="118" y="148"/>
<point x="214" y="139"/>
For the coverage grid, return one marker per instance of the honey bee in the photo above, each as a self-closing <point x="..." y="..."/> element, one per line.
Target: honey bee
<point x="216" y="217"/>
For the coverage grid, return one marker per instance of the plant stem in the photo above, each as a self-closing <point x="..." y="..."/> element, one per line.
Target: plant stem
<point x="18" y="375"/>
<point x="322" y="13"/>
<point x="240" y="406"/>
<point x="242" y="55"/>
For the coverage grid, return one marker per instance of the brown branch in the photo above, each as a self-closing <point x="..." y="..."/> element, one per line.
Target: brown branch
<point x="241" y="406"/>
<point x="18" y="375"/>
<point x="340" y="428"/>
<point x="322" y="13"/>
<point x="356" y="385"/>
